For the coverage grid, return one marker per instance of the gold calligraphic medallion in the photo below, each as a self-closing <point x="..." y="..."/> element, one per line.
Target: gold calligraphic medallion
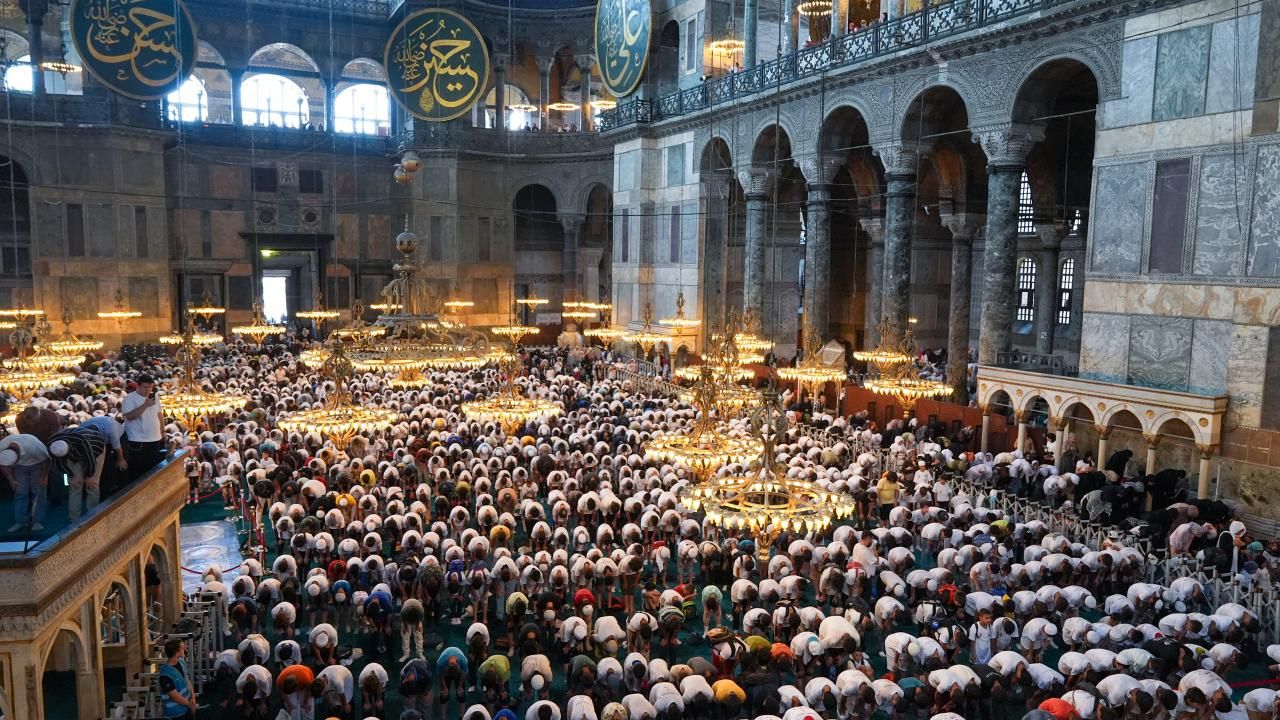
<point x="437" y="64"/>
<point x="622" y="43"/>
<point x="142" y="49"/>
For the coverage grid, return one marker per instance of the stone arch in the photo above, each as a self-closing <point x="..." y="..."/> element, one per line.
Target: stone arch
<point x="665" y="58"/>
<point x="164" y="570"/>
<point x="1027" y="401"/>
<point x="1172" y="420"/>
<point x="582" y="195"/>
<point x="716" y="154"/>
<point x="1122" y="413"/>
<point x="535" y="208"/>
<point x="283" y="56"/>
<point x="845" y="121"/>
<point x="362" y="70"/>
<point x="771" y="141"/>
<point x="86" y="679"/>
<point x="931" y="110"/>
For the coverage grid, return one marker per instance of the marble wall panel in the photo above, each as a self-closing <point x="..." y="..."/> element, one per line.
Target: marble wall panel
<point x="1231" y="66"/>
<point x="1219" y="241"/>
<point x="1246" y="373"/>
<point x="1160" y="351"/>
<point x="1182" y="68"/>
<point x="1137" y="84"/>
<point x="1119" y="217"/>
<point x="689" y="229"/>
<point x="1257" y="306"/>
<point x="1264" y="260"/>
<point x="1104" y="347"/>
<point x="1210" y="351"/>
<point x="1267" y="84"/>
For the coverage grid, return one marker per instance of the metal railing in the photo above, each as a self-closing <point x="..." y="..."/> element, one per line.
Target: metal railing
<point x="198" y="626"/>
<point x="93" y="109"/>
<point x="933" y="22"/>
<point x="1036" y="362"/>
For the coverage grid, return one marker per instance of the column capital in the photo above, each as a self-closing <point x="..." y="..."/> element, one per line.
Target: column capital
<point x="1021" y="415"/>
<point x="500" y="62"/>
<point x="964" y="227"/>
<point x="755" y="180"/>
<point x="1050" y="235"/>
<point x="1104" y="432"/>
<point x="900" y="157"/>
<point x="545" y="63"/>
<point x="586" y="61"/>
<point x="1007" y="144"/>
<point x="1057" y="422"/>
<point x="874" y="227"/>
<point x="1151" y="440"/>
<point x="1206" y="450"/>
<point x="819" y="171"/>
<point x="984" y="408"/>
<point x="572" y="221"/>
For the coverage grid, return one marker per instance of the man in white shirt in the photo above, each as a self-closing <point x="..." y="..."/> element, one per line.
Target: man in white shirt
<point x="143" y="428"/>
<point x="24" y="462"/>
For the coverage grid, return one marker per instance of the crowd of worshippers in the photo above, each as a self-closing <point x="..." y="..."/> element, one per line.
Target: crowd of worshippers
<point x="443" y="569"/>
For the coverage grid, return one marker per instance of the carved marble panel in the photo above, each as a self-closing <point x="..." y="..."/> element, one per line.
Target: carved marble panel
<point x="1137" y="84"/>
<point x="1246" y="373"/>
<point x="1119" y="217"/>
<point x="1264" y="260"/>
<point x="1210" y="351"/>
<point x="1182" y="67"/>
<point x="1160" y="351"/>
<point x="1104" y="347"/>
<point x="1219" y="242"/>
<point x="1231" y="69"/>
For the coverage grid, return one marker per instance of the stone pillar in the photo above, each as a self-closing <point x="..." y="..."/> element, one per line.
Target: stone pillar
<point x="237" y="102"/>
<point x="1204" y="481"/>
<point x="750" y="28"/>
<point x="874" y="228"/>
<point x="1021" y="417"/>
<point x="1152" y="440"/>
<point x="1006" y="147"/>
<point x="330" y="99"/>
<point x="715" y="191"/>
<point x="544" y="89"/>
<point x="499" y="93"/>
<point x="589" y="272"/>
<point x="839" y="13"/>
<point x="1046" y="302"/>
<point x="1103" y="434"/>
<point x="817" y="250"/>
<point x="36" y="10"/>
<point x="757" y="183"/>
<point x="1058" y="426"/>
<point x="790" y="27"/>
<point x="986" y="428"/>
<point x="900" y="164"/>
<point x="963" y="229"/>
<point x="585" y="63"/>
<point x="572" y="239"/>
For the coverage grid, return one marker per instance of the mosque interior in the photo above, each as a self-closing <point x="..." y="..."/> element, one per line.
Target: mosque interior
<point x="657" y="300"/>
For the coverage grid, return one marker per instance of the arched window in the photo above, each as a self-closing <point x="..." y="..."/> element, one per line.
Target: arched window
<point x="1026" y="290"/>
<point x="1066" y="290"/>
<point x="189" y="103"/>
<point x="273" y="100"/>
<point x="362" y="109"/>
<point x="520" y="112"/>
<point x="19" y="77"/>
<point x="1026" y="211"/>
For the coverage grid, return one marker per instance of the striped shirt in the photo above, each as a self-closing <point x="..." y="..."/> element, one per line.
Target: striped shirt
<point x="84" y="445"/>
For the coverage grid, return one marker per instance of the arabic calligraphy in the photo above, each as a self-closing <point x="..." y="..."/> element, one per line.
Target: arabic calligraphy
<point x="437" y="64"/>
<point x="622" y="43"/>
<point x="139" y="48"/>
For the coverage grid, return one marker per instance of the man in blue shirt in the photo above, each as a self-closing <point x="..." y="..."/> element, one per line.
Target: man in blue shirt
<point x="179" y="700"/>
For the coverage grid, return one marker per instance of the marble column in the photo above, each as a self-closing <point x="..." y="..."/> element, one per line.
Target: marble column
<point x="1046" y="302"/>
<point x="330" y="100"/>
<point x="790" y="27"/>
<point x="544" y="89"/>
<point x="1103" y="434"/>
<point x="900" y="164"/>
<point x="839" y="13"/>
<point x="1204" y="481"/>
<point x="569" y="260"/>
<point x="750" y="32"/>
<point x="985" y="437"/>
<point x="499" y="94"/>
<point x="1006" y="147"/>
<point x="35" y="10"/>
<point x="1058" y="428"/>
<point x="585" y="64"/>
<point x="963" y="229"/>
<point x="715" y="189"/>
<point x="757" y="183"/>
<point x="1021" y="417"/>
<point x="817" y="261"/>
<point x="874" y="228"/>
<point x="237" y="101"/>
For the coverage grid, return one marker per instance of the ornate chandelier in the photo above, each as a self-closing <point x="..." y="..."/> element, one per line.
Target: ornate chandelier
<point x="679" y="321"/>
<point x="22" y="379"/>
<point x="508" y="408"/>
<point x="122" y="312"/>
<point x="258" y="329"/>
<point x="338" y="419"/>
<point x="578" y="310"/>
<point x="64" y="351"/>
<point x="189" y="403"/>
<point x="358" y="332"/>
<point x="606" y="332"/>
<point x="206" y="309"/>
<point x="764" y="503"/>
<point x="897" y="376"/>
<point x="318" y="313"/>
<point x="646" y="338"/>
<point x="562" y="106"/>
<point x="706" y="447"/>
<point x="810" y="375"/>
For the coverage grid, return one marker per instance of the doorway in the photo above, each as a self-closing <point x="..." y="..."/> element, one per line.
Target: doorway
<point x="288" y="279"/>
<point x="275" y="296"/>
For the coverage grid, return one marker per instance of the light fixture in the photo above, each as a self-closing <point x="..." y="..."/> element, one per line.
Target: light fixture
<point x="66" y="350"/>
<point x="523" y="107"/>
<point x="885" y="355"/>
<point x="727" y="46"/>
<point x="258" y="329"/>
<point x="202" y="339"/>
<point x="121" y="313"/>
<point x="206" y="309"/>
<point x="456" y="303"/>
<point x="562" y="106"/>
<point x="607" y="332"/>
<point x="602" y="105"/>
<point x="679" y="320"/>
<point x="22" y="379"/>
<point x="646" y="338"/>
<point x="899" y="378"/>
<point x="383" y="307"/>
<point x="318" y="313"/>
<point x="338" y="419"/>
<point x="814" y="8"/>
<point x="189" y="403"/>
<point x="578" y="310"/>
<point x="358" y="332"/>
<point x="21" y="312"/>
<point x="811" y="374"/>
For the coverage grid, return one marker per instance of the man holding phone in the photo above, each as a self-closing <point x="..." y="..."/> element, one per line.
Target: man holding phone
<point x="143" y="429"/>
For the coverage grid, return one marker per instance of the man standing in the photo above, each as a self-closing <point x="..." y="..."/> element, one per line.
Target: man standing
<point x="142" y="428"/>
<point x="79" y="453"/>
<point x="111" y="431"/>
<point x="24" y="462"/>
<point x="179" y="701"/>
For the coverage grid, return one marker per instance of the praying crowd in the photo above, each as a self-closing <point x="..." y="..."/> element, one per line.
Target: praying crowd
<point x="444" y="569"/>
